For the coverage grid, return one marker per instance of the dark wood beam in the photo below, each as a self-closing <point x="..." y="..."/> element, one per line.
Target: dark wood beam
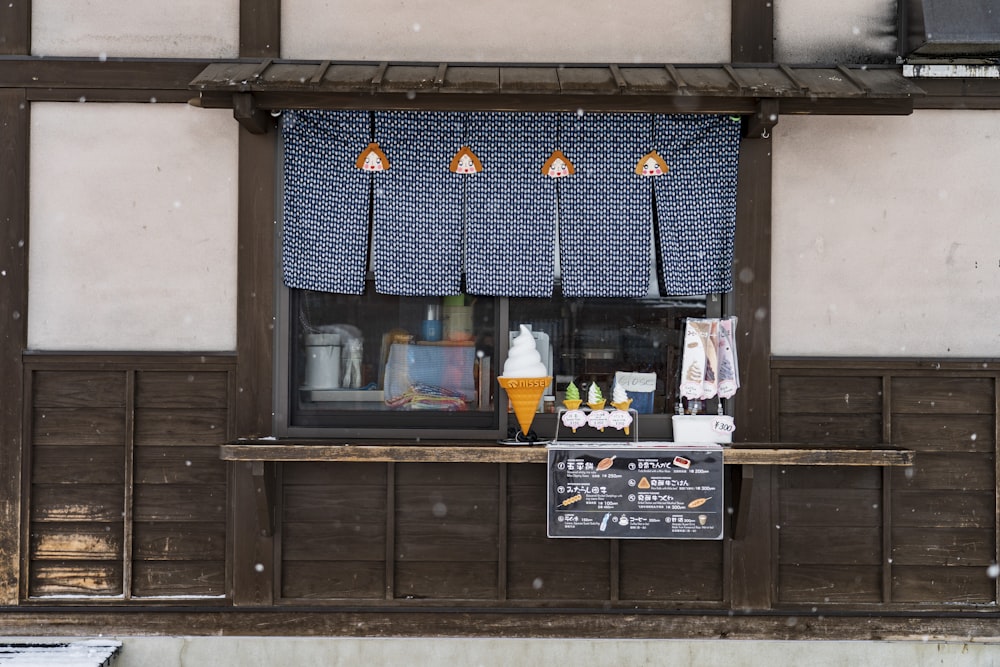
<point x="750" y="301"/>
<point x="260" y="28"/>
<point x="253" y="119"/>
<point x="15" y="28"/>
<point x="752" y="36"/>
<point x="14" y="111"/>
<point x="630" y="623"/>
<point x="255" y="284"/>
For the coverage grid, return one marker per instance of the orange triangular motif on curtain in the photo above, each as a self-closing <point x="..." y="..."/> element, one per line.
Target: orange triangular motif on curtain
<point x="558" y="166"/>
<point x="372" y="159"/>
<point x="651" y="164"/>
<point x="465" y="162"/>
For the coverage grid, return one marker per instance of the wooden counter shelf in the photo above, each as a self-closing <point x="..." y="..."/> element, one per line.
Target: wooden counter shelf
<point x="445" y="452"/>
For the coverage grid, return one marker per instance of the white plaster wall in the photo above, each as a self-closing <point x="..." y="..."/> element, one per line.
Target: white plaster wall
<point x="135" y="28"/>
<point x="846" y="31"/>
<point x="886" y="235"/>
<point x="132" y="218"/>
<point x="514" y="30"/>
<point x="330" y="652"/>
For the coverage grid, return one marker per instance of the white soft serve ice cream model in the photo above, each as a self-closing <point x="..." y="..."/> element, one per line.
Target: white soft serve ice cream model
<point x="524" y="378"/>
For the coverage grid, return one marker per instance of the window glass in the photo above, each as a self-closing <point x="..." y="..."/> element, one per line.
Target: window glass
<point x="376" y="362"/>
<point x="591" y="340"/>
<point x="355" y="358"/>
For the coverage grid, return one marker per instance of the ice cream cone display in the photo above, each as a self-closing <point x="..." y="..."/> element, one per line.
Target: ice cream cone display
<point x="572" y="400"/>
<point x="524" y="394"/>
<point x="595" y="398"/>
<point x="620" y="399"/>
<point x="620" y="419"/>
<point x="524" y="378"/>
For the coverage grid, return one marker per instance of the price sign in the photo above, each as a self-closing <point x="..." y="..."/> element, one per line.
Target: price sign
<point x="642" y="491"/>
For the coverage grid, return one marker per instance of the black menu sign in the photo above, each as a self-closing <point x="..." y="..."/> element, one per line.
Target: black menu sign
<point x="640" y="491"/>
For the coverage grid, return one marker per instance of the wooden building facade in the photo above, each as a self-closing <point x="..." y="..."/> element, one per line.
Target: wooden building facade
<point x="122" y="509"/>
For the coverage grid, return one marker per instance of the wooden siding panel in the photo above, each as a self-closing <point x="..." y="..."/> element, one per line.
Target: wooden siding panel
<point x="76" y="541"/>
<point x="178" y="465"/>
<point x="943" y="546"/>
<point x="676" y="570"/>
<point x="181" y="389"/>
<point x="943" y="395"/>
<point x="173" y="579"/>
<point x="458" y="580"/>
<point x="829" y="507"/>
<point x="829" y="395"/>
<point x="180" y="502"/>
<point x="330" y="580"/>
<point x="78" y="465"/>
<point x="351" y="505"/>
<point x="944" y="509"/>
<point x="829" y="584"/>
<point x="171" y="541"/>
<point x="949" y="470"/>
<point x="334" y="474"/>
<point x="334" y="540"/>
<point x="92" y="427"/>
<point x="78" y="389"/>
<point x="77" y="502"/>
<point x="919" y="585"/>
<point x="62" y="578"/>
<point x="843" y="545"/>
<point x="829" y="477"/>
<point x="191" y="426"/>
<point x="820" y="430"/>
<point x="552" y="580"/>
<point x="944" y="432"/>
<point x="447" y="523"/>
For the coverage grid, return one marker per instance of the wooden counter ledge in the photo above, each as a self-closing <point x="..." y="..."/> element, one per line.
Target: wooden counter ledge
<point x="444" y="452"/>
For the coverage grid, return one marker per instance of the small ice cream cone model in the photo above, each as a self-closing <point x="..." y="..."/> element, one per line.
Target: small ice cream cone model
<point x="619" y="398"/>
<point x="572" y="400"/>
<point x="524" y="378"/>
<point x="621" y="401"/>
<point x="595" y="399"/>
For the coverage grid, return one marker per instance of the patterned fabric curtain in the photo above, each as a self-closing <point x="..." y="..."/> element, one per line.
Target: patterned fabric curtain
<point x="417" y="205"/>
<point x="605" y="208"/>
<point x="696" y="202"/>
<point x="510" y="205"/>
<point x="325" y="228"/>
<point x="430" y="173"/>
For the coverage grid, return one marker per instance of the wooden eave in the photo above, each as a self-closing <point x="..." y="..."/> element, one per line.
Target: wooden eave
<point x="252" y="88"/>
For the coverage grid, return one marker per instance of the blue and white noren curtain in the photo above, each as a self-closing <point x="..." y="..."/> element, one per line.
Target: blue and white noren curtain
<point x="696" y="202"/>
<point x="325" y="219"/>
<point x="417" y="205"/>
<point x="605" y="208"/>
<point x="510" y="205"/>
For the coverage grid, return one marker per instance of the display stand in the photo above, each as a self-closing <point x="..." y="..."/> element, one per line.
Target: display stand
<point x="633" y="426"/>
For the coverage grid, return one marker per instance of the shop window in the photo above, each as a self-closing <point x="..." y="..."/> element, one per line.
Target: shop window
<point x="382" y="365"/>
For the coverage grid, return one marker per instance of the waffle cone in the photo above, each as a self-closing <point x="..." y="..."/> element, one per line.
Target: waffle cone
<point x="524" y="394"/>
<point x="572" y="404"/>
<point x="622" y="405"/>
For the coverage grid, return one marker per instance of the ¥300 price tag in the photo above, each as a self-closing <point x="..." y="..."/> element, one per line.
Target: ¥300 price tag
<point x="723" y="424"/>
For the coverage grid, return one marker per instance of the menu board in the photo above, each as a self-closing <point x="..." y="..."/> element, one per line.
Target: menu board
<point x="636" y="491"/>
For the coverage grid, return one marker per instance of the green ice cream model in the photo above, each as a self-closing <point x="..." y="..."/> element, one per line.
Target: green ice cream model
<point x="572" y="400"/>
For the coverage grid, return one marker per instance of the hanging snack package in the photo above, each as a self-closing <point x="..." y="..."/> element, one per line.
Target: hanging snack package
<point x="694" y="359"/>
<point x="729" y="370"/>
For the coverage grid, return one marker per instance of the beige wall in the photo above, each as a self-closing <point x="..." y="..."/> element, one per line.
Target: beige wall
<point x="136" y="28"/>
<point x="133" y="227"/>
<point x="513" y="30"/>
<point x="886" y="235"/>
<point x="417" y="652"/>
<point x="846" y="31"/>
